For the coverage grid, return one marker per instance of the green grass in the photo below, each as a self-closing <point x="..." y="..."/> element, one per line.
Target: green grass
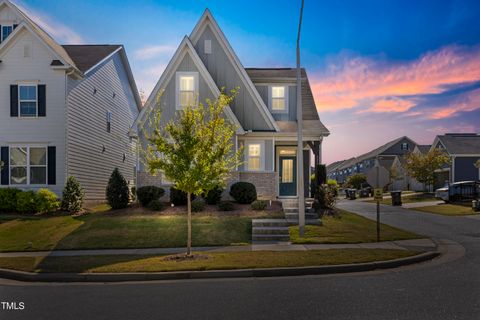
<point x="447" y="209"/>
<point x="348" y="228"/>
<point x="212" y="261"/>
<point x="408" y="199"/>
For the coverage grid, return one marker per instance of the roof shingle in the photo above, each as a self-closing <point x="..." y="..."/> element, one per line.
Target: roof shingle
<point x="87" y="56"/>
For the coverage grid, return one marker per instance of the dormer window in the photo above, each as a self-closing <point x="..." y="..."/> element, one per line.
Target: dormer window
<point x="6" y="31"/>
<point x="186" y="89"/>
<point x="278" y="99"/>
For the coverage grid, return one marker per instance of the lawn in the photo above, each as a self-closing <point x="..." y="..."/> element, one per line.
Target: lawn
<point x="447" y="209"/>
<point x="123" y="229"/>
<point x="348" y="228"/>
<point x="424" y="197"/>
<point x="211" y="261"/>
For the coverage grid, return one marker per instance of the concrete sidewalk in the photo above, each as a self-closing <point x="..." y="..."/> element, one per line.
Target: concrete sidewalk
<point x="415" y="244"/>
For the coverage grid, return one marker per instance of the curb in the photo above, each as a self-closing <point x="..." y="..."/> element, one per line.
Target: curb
<point x="240" y="273"/>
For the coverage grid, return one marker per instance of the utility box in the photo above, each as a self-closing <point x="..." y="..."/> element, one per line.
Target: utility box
<point x="396" y="198"/>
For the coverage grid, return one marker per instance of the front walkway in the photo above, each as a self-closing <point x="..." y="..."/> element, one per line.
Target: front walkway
<point x="416" y="244"/>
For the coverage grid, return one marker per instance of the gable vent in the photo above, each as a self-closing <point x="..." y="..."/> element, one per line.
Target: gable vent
<point x="208" y="46"/>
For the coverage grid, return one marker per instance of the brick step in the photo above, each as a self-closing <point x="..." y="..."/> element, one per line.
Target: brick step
<point x="259" y="223"/>
<point x="313" y="222"/>
<point x="271" y="237"/>
<point x="269" y="231"/>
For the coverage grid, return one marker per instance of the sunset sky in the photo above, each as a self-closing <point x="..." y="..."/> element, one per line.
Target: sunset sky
<point x="378" y="69"/>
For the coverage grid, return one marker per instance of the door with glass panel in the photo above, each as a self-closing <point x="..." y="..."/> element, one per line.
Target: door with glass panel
<point x="287" y="176"/>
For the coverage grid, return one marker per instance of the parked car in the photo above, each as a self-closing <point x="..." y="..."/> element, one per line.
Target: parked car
<point x="459" y="191"/>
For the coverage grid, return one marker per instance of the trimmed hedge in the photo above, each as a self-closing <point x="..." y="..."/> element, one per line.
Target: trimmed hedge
<point x="46" y="201"/>
<point x="225" y="206"/>
<point x="148" y="194"/>
<point x="243" y="192"/>
<point x="8" y="199"/>
<point x="26" y="202"/>
<point x="214" y="196"/>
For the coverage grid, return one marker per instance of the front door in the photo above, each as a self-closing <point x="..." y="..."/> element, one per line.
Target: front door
<point x="287" y="176"/>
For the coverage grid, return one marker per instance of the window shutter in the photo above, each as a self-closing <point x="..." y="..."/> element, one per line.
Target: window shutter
<point x="13" y="100"/>
<point x="6" y="161"/>
<point x="0" y="33"/>
<point x="15" y="26"/>
<point x="52" y="165"/>
<point x="42" y="101"/>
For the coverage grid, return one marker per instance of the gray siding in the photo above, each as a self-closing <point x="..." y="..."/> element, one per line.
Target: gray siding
<point x="465" y="169"/>
<point x="92" y="152"/>
<point x="292" y="102"/>
<point x="269" y="154"/>
<point x="397" y="148"/>
<point x="225" y="75"/>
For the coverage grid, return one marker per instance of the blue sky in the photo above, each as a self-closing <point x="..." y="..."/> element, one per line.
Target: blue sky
<point x="379" y="69"/>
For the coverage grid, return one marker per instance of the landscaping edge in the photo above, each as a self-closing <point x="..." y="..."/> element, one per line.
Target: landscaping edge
<point x="211" y="274"/>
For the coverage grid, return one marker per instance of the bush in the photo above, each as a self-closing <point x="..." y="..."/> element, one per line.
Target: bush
<point x="46" y="201"/>
<point x="118" y="194"/>
<point x="198" y="205"/>
<point x="8" y="199"/>
<point x="156" y="205"/>
<point x="225" y="206"/>
<point x="133" y="193"/>
<point x="357" y="181"/>
<point x="26" y="202"/>
<point x="243" y="192"/>
<point x="149" y="193"/>
<point x="214" y="196"/>
<point x="178" y="197"/>
<point x="72" y="197"/>
<point x="259" y="205"/>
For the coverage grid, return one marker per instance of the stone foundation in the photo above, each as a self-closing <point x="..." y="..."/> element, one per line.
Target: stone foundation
<point x="265" y="183"/>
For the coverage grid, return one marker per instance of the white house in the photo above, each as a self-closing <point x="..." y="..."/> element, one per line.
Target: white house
<point x="64" y="110"/>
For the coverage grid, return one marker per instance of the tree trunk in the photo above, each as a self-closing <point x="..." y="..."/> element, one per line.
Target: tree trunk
<point x="189" y="224"/>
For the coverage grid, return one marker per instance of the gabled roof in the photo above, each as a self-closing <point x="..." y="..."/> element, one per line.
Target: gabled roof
<point x="87" y="56"/>
<point x="185" y="47"/>
<point x="460" y="143"/>
<point x="208" y="19"/>
<point x="424" y="148"/>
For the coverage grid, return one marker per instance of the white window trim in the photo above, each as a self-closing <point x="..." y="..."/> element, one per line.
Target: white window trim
<point x="1" y="31"/>
<point x="28" y="84"/>
<point x="286" y="88"/>
<point x="262" y="155"/>
<point x="27" y="165"/>
<point x="179" y="74"/>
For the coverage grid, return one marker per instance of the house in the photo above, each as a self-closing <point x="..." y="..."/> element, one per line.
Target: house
<point x="464" y="151"/>
<point x="64" y="110"/>
<point x="264" y="111"/>
<point x="390" y="155"/>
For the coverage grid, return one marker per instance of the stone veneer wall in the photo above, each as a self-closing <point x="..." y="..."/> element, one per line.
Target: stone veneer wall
<point x="265" y="182"/>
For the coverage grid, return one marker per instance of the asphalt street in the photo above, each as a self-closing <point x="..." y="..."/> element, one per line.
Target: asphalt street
<point x="446" y="288"/>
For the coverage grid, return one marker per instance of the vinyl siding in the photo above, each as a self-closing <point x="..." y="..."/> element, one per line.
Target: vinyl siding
<point x="292" y="102"/>
<point x="49" y="130"/>
<point x="465" y="169"/>
<point x="87" y="135"/>
<point x="269" y="153"/>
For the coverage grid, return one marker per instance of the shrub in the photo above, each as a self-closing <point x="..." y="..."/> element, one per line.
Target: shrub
<point x="72" y="197"/>
<point x="118" y="195"/>
<point x="198" y="205"/>
<point x="178" y="197"/>
<point x="149" y="193"/>
<point x="243" y="192"/>
<point x="8" y="199"/>
<point x="357" y="181"/>
<point x="156" y="205"/>
<point x="46" y="201"/>
<point x="133" y="193"/>
<point x="214" y="196"/>
<point x="259" y="205"/>
<point x="26" y="202"/>
<point x="225" y="206"/>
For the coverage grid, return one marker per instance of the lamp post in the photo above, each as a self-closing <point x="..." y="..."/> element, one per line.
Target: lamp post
<point x="300" y="177"/>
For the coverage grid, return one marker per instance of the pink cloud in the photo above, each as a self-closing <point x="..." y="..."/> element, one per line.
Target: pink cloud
<point x="360" y="81"/>
<point x="464" y="103"/>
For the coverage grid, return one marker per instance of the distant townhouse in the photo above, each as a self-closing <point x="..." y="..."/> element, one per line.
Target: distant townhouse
<point x="64" y="110"/>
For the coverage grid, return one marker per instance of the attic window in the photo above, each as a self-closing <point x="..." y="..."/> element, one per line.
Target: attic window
<point x="278" y="99"/>
<point x="6" y="31"/>
<point x="186" y="89"/>
<point x="208" y="46"/>
<point x="404" y="146"/>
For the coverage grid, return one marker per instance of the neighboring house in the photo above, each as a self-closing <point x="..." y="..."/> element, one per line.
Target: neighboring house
<point x="464" y="151"/>
<point x="264" y="110"/>
<point x="390" y="155"/>
<point x="64" y="110"/>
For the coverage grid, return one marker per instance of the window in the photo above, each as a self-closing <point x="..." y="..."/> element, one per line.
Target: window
<point x="404" y="146"/>
<point x="287" y="171"/>
<point x="6" y="31"/>
<point x="255" y="159"/>
<point x="187" y="87"/>
<point x="27" y="101"/>
<point x="28" y="165"/>
<point x="109" y="121"/>
<point x="279" y="98"/>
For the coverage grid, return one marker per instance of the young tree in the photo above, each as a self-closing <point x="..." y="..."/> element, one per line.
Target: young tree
<point x="117" y="192"/>
<point x="195" y="152"/>
<point x="422" y="167"/>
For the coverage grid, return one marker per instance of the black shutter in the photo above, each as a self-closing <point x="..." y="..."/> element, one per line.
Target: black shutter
<point x="42" y="101"/>
<point x="15" y="26"/>
<point x="5" y="159"/>
<point x="0" y="33"/>
<point x="52" y="165"/>
<point x="13" y="100"/>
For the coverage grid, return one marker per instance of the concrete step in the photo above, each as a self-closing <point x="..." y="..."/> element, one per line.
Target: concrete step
<point x="313" y="222"/>
<point x="270" y="231"/>
<point x="289" y="210"/>
<point x="271" y="237"/>
<point x="294" y="215"/>
<point x="259" y="223"/>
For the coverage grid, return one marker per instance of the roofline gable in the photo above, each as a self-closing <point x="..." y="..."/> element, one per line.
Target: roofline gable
<point x="185" y="47"/>
<point x="208" y="19"/>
